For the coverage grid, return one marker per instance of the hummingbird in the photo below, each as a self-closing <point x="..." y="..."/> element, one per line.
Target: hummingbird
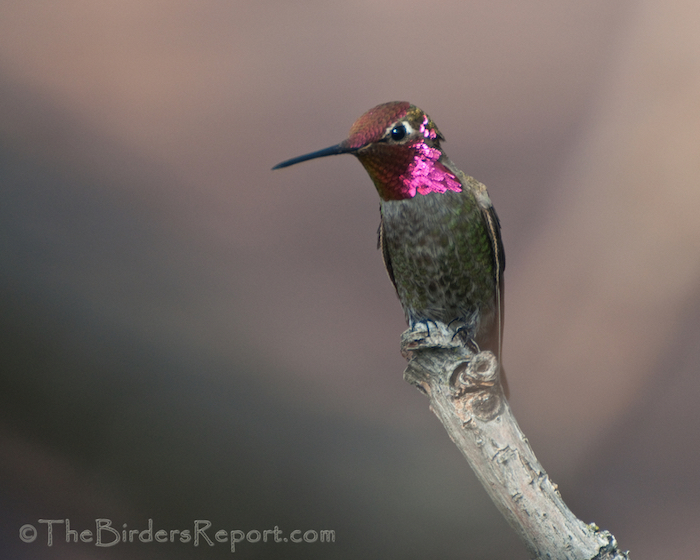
<point x="439" y="233"/>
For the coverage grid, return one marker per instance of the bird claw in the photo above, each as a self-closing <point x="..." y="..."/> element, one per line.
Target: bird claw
<point x="465" y="336"/>
<point x="426" y="323"/>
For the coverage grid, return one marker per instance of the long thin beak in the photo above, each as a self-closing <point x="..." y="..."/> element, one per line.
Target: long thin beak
<point x="331" y="151"/>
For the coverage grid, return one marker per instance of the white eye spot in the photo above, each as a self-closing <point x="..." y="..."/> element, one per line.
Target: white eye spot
<point x="399" y="131"/>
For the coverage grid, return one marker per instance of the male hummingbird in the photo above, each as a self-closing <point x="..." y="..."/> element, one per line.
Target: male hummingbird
<point x="439" y="233"/>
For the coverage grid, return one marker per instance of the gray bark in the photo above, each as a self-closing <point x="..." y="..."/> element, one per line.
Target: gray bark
<point x="466" y="395"/>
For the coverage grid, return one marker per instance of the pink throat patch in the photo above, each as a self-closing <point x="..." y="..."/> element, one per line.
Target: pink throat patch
<point x="427" y="175"/>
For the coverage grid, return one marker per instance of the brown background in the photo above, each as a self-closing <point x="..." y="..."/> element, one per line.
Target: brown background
<point x="188" y="335"/>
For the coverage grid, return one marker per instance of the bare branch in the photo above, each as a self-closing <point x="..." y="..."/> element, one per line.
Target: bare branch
<point x="466" y="395"/>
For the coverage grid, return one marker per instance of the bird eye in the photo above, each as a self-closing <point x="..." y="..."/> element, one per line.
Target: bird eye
<point x="398" y="133"/>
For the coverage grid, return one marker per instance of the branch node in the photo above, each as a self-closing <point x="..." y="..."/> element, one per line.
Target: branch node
<point x="466" y="395"/>
<point x="473" y="380"/>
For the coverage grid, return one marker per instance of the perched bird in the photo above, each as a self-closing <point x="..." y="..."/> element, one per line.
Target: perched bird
<point x="439" y="233"/>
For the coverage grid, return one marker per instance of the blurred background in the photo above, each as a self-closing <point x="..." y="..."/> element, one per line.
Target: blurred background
<point x="188" y="335"/>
